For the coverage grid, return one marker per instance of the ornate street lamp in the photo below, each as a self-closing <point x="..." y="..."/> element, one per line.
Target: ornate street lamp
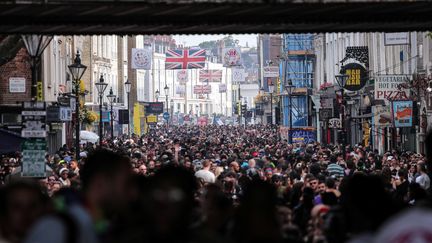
<point x="35" y="45"/>
<point x="290" y="88"/>
<point x="271" y="90"/>
<point x="77" y="71"/>
<point x="111" y="98"/>
<point x="166" y="89"/>
<point x="341" y="79"/>
<point x="128" y="85"/>
<point x="100" y="87"/>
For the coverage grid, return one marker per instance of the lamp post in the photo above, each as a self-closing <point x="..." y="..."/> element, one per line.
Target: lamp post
<point x="157" y="95"/>
<point x="35" y="45"/>
<point x="271" y="90"/>
<point x="128" y="85"/>
<point x="341" y="79"/>
<point x="100" y="87"/>
<point x="77" y="71"/>
<point x="111" y="98"/>
<point x="166" y="89"/>
<point x="289" y="88"/>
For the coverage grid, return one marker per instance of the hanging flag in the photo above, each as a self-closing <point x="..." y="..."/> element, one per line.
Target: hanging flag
<point x="182" y="76"/>
<point x="180" y="89"/>
<point x="222" y="88"/>
<point x="231" y="57"/>
<point x="141" y="58"/>
<point x="185" y="59"/>
<point x="210" y="75"/>
<point x="202" y="89"/>
<point x="238" y="75"/>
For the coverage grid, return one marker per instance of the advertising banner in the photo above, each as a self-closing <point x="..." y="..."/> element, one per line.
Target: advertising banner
<point x="303" y="136"/>
<point x="182" y="76"/>
<point x="238" y="75"/>
<point x="231" y="57"/>
<point x="271" y="72"/>
<point x="222" y="88"/>
<point x="33" y="120"/>
<point x="388" y="87"/>
<point x="402" y="112"/>
<point x="33" y="161"/>
<point x="399" y="38"/>
<point x="357" y="76"/>
<point x="141" y="58"/>
<point x="382" y="116"/>
<point x="154" y="107"/>
<point x="180" y="89"/>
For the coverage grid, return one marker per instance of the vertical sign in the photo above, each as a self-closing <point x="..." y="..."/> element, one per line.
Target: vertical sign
<point x="402" y="113"/>
<point x="34" y="158"/>
<point x="39" y="92"/>
<point x="33" y="120"/>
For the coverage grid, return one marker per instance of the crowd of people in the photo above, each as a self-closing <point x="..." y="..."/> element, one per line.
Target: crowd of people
<point x="215" y="184"/>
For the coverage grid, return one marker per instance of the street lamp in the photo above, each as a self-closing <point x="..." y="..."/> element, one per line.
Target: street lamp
<point x="166" y="89"/>
<point x="111" y="98"/>
<point x="290" y="88"/>
<point x="341" y="79"/>
<point x="157" y="95"/>
<point x="77" y="71"/>
<point x="100" y="87"/>
<point x="35" y="45"/>
<point x="128" y="85"/>
<point x="271" y="90"/>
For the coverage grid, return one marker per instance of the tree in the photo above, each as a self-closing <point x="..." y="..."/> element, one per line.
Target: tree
<point x="208" y="45"/>
<point x="9" y="47"/>
<point x="229" y="41"/>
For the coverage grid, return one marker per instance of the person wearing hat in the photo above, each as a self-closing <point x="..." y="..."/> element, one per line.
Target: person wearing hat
<point x="64" y="174"/>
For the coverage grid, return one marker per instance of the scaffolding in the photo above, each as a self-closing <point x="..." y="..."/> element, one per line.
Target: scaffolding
<point x="299" y="71"/>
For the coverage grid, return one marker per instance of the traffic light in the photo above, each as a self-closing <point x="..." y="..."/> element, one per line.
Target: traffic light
<point x="244" y="109"/>
<point x="238" y="108"/>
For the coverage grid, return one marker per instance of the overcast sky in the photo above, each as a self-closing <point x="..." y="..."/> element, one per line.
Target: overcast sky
<point x="194" y="40"/>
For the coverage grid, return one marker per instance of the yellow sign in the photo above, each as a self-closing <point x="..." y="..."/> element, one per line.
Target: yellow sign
<point x="39" y="91"/>
<point x="136" y="119"/>
<point x="151" y="119"/>
<point x="353" y="76"/>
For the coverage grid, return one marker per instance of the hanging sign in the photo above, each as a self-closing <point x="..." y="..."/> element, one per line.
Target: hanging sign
<point x="357" y="76"/>
<point x="33" y="161"/>
<point x="141" y="58"/>
<point x="231" y="57"/>
<point x="182" y="76"/>
<point x="402" y="112"/>
<point x="271" y="72"/>
<point x="389" y="87"/>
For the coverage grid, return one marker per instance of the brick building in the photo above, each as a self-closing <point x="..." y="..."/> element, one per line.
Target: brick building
<point x="11" y="98"/>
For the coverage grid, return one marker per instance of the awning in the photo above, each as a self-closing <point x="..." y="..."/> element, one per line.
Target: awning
<point x="9" y="142"/>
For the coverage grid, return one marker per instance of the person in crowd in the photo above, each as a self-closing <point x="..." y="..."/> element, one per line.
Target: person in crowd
<point x="205" y="174"/>
<point x="208" y="184"/>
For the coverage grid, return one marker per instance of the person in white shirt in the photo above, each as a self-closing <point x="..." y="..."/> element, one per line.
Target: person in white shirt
<point x="205" y="173"/>
<point x="423" y="179"/>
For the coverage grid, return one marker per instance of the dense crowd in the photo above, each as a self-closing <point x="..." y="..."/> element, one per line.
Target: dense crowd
<point x="217" y="184"/>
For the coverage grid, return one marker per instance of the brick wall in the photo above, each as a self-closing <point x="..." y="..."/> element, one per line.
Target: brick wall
<point x="18" y="67"/>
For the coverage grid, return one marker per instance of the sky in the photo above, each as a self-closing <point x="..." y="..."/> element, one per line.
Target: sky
<point x="194" y="40"/>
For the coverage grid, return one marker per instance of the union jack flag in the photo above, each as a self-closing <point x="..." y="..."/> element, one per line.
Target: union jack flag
<point x="210" y="75"/>
<point x="202" y="89"/>
<point x="185" y="59"/>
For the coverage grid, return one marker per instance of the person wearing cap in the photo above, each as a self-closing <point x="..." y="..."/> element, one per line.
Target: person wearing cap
<point x="64" y="174"/>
